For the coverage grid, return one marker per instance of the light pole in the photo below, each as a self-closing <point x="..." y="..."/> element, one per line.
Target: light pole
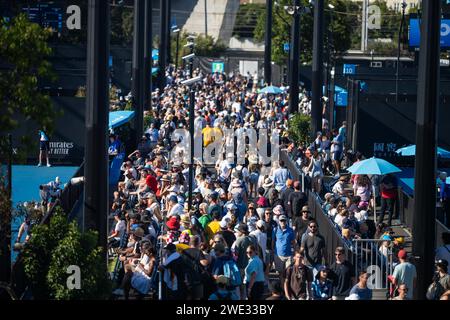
<point x="191" y="83"/>
<point x="317" y="68"/>
<point x="330" y="61"/>
<point x="404" y="5"/>
<point x="148" y="55"/>
<point x="96" y="183"/>
<point x="295" y="11"/>
<point x="268" y="44"/>
<point x="424" y="227"/>
<point x="177" y="30"/>
<point x="138" y="69"/>
<point x="162" y="46"/>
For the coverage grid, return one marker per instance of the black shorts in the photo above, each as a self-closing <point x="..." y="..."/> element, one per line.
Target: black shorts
<point x="337" y="156"/>
<point x="44" y="145"/>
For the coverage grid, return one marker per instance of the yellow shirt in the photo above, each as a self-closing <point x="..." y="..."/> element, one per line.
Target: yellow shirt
<point x="208" y="136"/>
<point x="181" y="247"/>
<point x="212" y="228"/>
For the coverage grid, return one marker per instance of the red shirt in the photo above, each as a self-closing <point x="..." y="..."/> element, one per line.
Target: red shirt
<point x="152" y="183"/>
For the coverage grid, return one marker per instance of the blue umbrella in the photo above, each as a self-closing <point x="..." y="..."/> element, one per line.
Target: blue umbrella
<point x="118" y="118"/>
<point x="271" y="90"/>
<point x="373" y="166"/>
<point x="411" y="151"/>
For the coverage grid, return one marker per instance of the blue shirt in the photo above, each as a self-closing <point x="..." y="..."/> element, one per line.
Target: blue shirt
<point x="43" y="136"/>
<point x="280" y="177"/>
<point x="343" y="132"/>
<point x="283" y="243"/>
<point x="445" y="190"/>
<point x="363" y="294"/>
<point x="322" y="291"/>
<point x="254" y="265"/>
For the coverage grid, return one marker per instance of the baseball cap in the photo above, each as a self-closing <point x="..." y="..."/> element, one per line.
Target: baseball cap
<point x="282" y="218"/>
<point x="173" y="198"/>
<point x="402" y="254"/>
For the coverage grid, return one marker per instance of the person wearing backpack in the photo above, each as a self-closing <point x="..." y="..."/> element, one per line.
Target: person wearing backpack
<point x="222" y="292"/>
<point x="224" y="265"/>
<point x="198" y="262"/>
<point x="440" y="287"/>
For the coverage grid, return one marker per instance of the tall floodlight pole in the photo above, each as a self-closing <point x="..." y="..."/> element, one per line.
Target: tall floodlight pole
<point x="138" y="69"/>
<point x="206" y="19"/>
<point x="424" y="227"/>
<point x="97" y="110"/>
<point x="148" y="37"/>
<point x="397" y="71"/>
<point x="295" y="58"/>
<point x="317" y="68"/>
<point x="268" y="44"/>
<point x="162" y="46"/>
<point x="169" y="29"/>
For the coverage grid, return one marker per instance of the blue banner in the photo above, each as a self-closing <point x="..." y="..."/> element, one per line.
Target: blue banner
<point x="414" y="33"/>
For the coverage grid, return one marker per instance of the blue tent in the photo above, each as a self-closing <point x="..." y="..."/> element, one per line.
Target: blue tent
<point x="118" y="118"/>
<point x="271" y="90"/>
<point x="411" y="151"/>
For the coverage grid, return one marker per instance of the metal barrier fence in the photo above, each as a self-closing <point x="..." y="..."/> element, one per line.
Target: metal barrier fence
<point x="378" y="260"/>
<point x="327" y="229"/>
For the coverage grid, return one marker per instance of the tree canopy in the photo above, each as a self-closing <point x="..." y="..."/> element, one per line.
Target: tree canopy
<point x="23" y="63"/>
<point x="341" y="29"/>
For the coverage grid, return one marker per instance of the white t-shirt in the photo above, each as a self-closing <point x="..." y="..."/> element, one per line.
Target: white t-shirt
<point x="338" y="188"/>
<point x="339" y="220"/>
<point x="262" y="240"/>
<point x="120" y="228"/>
<point x="361" y="215"/>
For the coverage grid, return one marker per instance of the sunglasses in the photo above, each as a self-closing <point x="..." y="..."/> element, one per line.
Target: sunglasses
<point x="313" y="227"/>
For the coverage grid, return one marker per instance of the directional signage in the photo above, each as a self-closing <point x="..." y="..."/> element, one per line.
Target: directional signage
<point x="286" y="47"/>
<point x="349" y="69"/>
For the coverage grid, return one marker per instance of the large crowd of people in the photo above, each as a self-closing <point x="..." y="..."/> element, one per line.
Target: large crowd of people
<point x="248" y="233"/>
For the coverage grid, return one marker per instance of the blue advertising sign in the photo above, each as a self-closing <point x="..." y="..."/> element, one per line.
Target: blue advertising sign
<point x="414" y="33"/>
<point x="349" y="69"/>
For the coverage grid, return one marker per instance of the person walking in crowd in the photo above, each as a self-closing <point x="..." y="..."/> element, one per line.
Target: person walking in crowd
<point x="342" y="275"/>
<point x="389" y="193"/>
<point x="405" y="273"/>
<point x="313" y="247"/>
<point x="360" y="289"/>
<point x="322" y="287"/>
<point x="283" y="239"/>
<point x="298" y="279"/>
<point x="254" y="275"/>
